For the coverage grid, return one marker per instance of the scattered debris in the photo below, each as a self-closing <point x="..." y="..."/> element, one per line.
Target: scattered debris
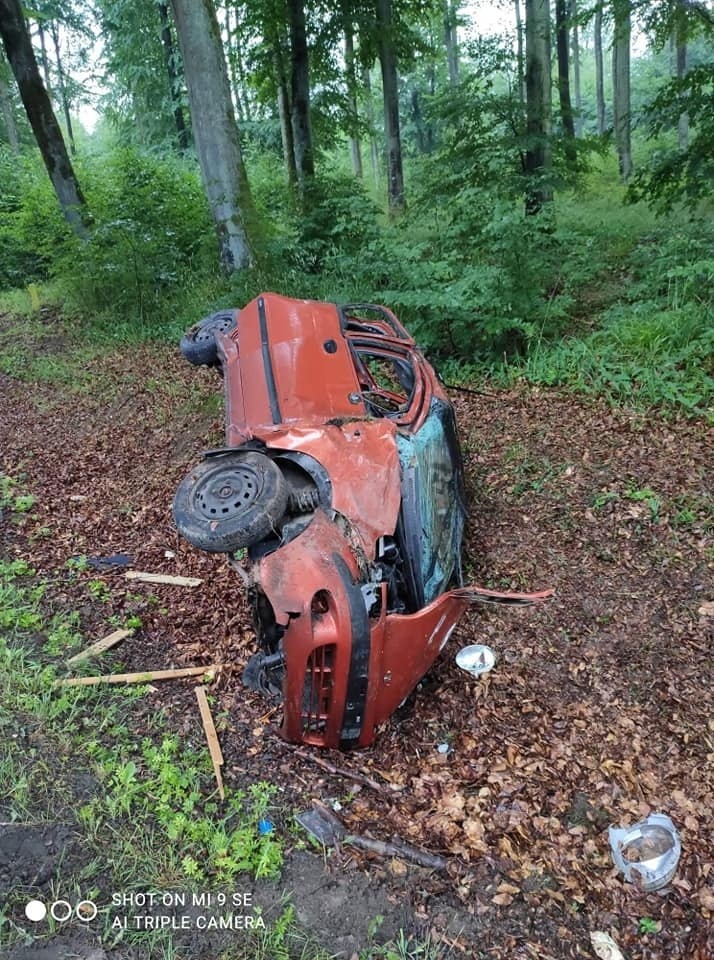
<point x="340" y="771"/>
<point x="212" y="737"/>
<point x="647" y="853"/>
<point x="443" y="748"/>
<point x="115" y="560"/>
<point x="605" y="947"/>
<point x="101" y="645"/>
<point x="163" y="578"/>
<point x="707" y="609"/>
<point x="145" y="677"/>
<point x="327" y="827"/>
<point x="476" y="659"/>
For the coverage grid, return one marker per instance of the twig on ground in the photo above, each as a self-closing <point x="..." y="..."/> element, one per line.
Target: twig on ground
<point x="145" y="677"/>
<point x="163" y="578"/>
<point x="212" y="737"/>
<point x="340" y="771"/>
<point x="101" y="645"/>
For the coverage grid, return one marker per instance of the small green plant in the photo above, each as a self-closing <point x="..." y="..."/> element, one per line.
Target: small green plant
<point x="649" y="497"/>
<point x="648" y="925"/>
<point x="99" y="590"/>
<point x="603" y="498"/>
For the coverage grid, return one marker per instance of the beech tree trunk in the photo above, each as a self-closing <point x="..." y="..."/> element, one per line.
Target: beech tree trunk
<point x="599" y="71"/>
<point x="520" y="67"/>
<point x="168" y="46"/>
<point x="451" y="41"/>
<point x="680" y="40"/>
<point x="576" y="69"/>
<point x="6" y="106"/>
<point x="563" y="52"/>
<point x="18" y="48"/>
<point x="215" y="131"/>
<point x="286" y="128"/>
<point x="231" y="50"/>
<point x="351" y="77"/>
<point x="388" y="62"/>
<point x="539" y="108"/>
<point x="63" y="89"/>
<point x="621" y="85"/>
<point x="369" y="112"/>
<point x="300" y="93"/>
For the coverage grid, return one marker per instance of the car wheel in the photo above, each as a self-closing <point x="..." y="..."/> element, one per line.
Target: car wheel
<point x="231" y="501"/>
<point x="198" y="344"/>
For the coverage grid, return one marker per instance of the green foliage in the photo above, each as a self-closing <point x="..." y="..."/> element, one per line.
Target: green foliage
<point x="166" y="784"/>
<point x="674" y="175"/>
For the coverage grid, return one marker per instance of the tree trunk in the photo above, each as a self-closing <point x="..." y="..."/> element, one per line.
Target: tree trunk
<point x="599" y="71"/>
<point x="566" y="107"/>
<point x="6" y="105"/>
<point x="388" y="62"/>
<point x="369" y="113"/>
<point x="621" y="85"/>
<point x="63" y="89"/>
<point x="300" y="93"/>
<point x="451" y="41"/>
<point x="231" y="48"/>
<point x="576" y="69"/>
<point x="286" y="129"/>
<point x="680" y="40"/>
<point x="215" y="131"/>
<point x="520" y="69"/>
<point x="538" y="160"/>
<point x="45" y="59"/>
<point x="18" y="48"/>
<point x="351" y="77"/>
<point x="168" y="46"/>
<point x="418" y="121"/>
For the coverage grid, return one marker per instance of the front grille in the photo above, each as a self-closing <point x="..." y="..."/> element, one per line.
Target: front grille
<point x="317" y="692"/>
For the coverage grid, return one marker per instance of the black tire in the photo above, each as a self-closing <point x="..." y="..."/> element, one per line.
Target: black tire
<point x="198" y="344"/>
<point x="231" y="501"/>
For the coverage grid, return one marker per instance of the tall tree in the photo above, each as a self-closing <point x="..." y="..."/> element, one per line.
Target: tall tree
<point x="539" y="109"/>
<point x="563" y="52"/>
<point x="599" y="70"/>
<point x="621" y="85"/>
<point x="62" y="87"/>
<point x="18" y="48"/>
<point x="576" y="68"/>
<point x="451" y="40"/>
<point x="680" y="43"/>
<point x="284" y="111"/>
<point x="520" y="60"/>
<point x="351" y="78"/>
<point x="214" y="128"/>
<point x="300" y="92"/>
<point x="6" y="105"/>
<point x="369" y="115"/>
<point x="172" y="73"/>
<point x="388" y="61"/>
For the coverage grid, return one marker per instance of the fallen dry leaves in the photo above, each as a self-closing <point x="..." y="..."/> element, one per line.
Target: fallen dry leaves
<point x="598" y="711"/>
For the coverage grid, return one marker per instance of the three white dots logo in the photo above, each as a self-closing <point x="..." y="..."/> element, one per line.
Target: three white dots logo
<point x="61" y="910"/>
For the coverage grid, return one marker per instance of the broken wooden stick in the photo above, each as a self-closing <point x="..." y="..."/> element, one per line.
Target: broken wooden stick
<point x="163" y="578"/>
<point x="340" y="771"/>
<point x="214" y="746"/>
<point x="145" y="677"/>
<point x="101" y="645"/>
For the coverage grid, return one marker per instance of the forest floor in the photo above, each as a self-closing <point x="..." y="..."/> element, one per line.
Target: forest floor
<point x="598" y="711"/>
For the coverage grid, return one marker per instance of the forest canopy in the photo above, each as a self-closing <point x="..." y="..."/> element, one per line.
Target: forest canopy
<point x="526" y="183"/>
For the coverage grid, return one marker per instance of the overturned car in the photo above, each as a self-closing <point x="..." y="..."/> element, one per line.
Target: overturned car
<point x="342" y="484"/>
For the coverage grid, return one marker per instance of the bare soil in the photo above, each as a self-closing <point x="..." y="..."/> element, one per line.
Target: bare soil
<point x="598" y="711"/>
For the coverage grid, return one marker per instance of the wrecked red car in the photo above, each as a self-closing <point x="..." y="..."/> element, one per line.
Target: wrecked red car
<point x="341" y="483"/>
